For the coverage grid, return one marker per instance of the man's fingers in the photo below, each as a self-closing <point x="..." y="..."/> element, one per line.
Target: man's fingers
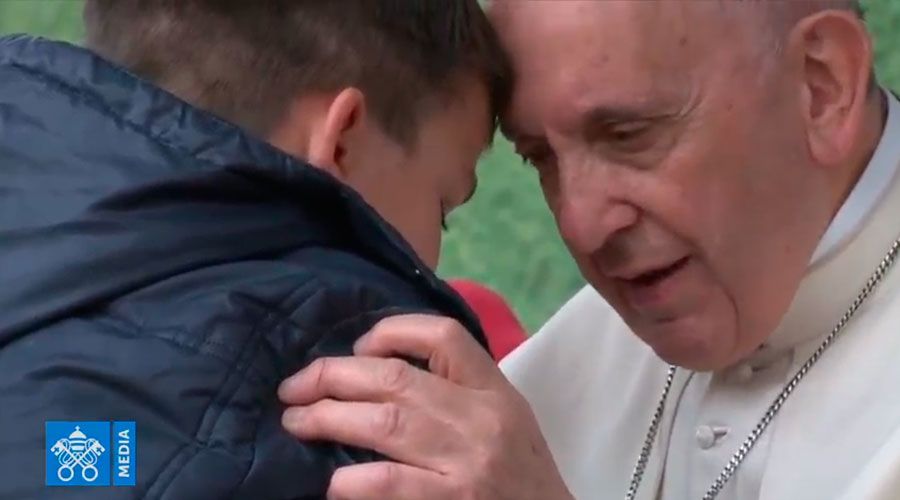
<point x="388" y="480"/>
<point x="451" y="351"/>
<point x="363" y="379"/>
<point x="399" y="433"/>
<point x="348" y="378"/>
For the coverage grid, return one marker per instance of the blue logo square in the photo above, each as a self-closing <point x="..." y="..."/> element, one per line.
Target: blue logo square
<point x="77" y="453"/>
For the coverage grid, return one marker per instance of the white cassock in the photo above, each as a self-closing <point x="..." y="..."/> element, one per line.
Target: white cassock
<point x="594" y="385"/>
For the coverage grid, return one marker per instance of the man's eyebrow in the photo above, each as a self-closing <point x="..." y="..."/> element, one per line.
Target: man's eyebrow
<point x="617" y="114"/>
<point x="594" y="116"/>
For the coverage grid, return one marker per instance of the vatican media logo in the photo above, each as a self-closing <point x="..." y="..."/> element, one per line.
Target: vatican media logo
<point x="91" y="453"/>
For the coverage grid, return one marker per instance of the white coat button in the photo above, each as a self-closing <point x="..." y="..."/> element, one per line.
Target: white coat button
<point x="705" y="437"/>
<point x="708" y="436"/>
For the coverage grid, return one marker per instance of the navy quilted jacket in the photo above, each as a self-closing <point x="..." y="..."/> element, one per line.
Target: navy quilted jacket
<point x="158" y="265"/>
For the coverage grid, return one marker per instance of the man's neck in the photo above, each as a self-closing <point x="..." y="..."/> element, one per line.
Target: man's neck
<point x="873" y="128"/>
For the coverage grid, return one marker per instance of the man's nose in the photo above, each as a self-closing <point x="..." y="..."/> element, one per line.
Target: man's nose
<point x="589" y="217"/>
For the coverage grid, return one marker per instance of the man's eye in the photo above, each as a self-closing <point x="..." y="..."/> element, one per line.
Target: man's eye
<point x="627" y="133"/>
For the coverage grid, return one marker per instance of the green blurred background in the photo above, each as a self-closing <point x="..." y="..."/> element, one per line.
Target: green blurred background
<point x="505" y="237"/>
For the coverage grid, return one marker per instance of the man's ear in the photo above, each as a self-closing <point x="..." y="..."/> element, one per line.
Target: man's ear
<point x="331" y="139"/>
<point x="835" y="52"/>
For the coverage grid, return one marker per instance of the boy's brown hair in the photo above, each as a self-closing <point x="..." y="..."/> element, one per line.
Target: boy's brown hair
<point x="246" y="60"/>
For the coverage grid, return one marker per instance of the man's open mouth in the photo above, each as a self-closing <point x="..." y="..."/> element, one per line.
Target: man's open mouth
<point x="655" y="276"/>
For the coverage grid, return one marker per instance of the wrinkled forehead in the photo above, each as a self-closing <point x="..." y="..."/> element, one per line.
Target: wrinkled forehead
<point x="568" y="54"/>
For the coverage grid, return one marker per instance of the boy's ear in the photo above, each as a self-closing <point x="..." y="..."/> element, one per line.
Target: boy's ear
<point x="332" y="139"/>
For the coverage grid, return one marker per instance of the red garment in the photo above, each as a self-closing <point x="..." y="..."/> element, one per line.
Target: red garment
<point x="503" y="330"/>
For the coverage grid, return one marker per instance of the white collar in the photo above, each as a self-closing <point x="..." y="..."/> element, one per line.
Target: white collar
<point x="869" y="190"/>
<point x="856" y="240"/>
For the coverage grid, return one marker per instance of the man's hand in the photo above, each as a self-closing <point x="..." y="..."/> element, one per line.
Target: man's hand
<point x="457" y="432"/>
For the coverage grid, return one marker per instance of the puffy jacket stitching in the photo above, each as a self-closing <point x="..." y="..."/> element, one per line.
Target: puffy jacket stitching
<point x="385" y="311"/>
<point x="221" y="403"/>
<point x="391" y="310"/>
<point x="270" y="322"/>
<point x="169" y="335"/>
<point x="258" y="429"/>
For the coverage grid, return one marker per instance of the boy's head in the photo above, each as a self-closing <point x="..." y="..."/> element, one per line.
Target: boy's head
<point x="396" y="98"/>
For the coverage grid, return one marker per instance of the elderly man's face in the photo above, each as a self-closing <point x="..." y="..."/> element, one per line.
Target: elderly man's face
<point x="673" y="154"/>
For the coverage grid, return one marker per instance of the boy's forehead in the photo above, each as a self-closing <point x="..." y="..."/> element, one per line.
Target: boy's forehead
<point x="471" y="103"/>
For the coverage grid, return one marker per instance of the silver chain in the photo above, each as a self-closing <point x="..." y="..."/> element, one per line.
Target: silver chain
<point x="638" y="473"/>
<point x="776" y="405"/>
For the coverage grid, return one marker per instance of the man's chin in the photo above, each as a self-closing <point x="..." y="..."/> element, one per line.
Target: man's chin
<point x="687" y="343"/>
